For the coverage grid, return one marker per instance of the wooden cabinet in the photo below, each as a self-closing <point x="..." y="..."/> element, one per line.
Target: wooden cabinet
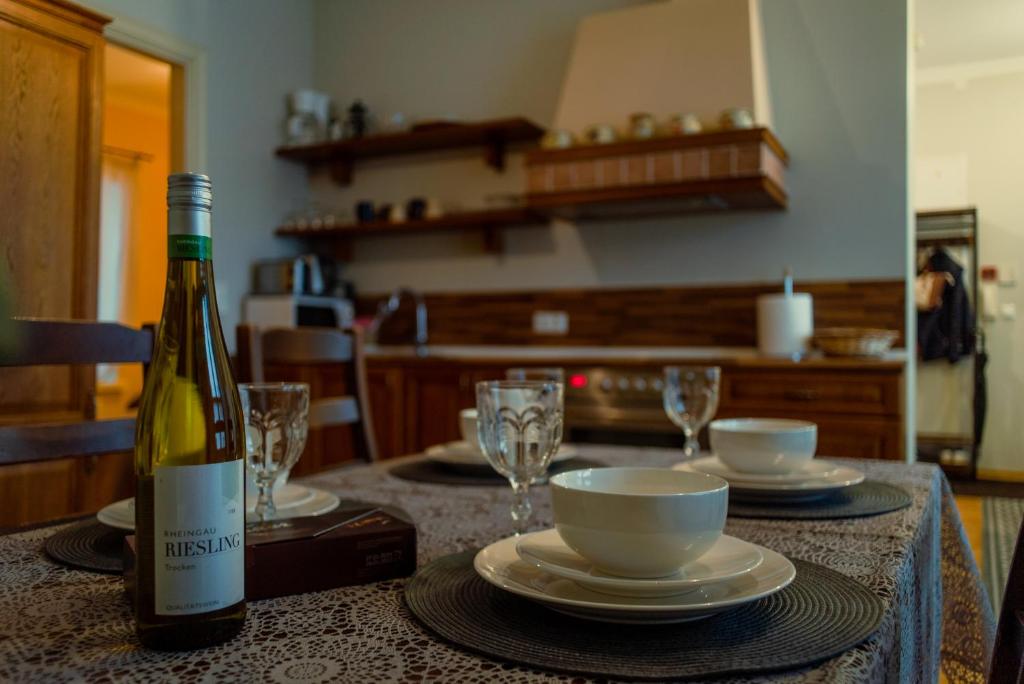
<point x="51" y="74"/>
<point x="386" y="395"/>
<point x="51" y="60"/>
<point x="857" y="406"/>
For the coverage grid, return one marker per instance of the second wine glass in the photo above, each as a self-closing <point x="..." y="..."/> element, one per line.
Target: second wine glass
<point x="690" y="399"/>
<point x="276" y="424"/>
<point x="519" y="425"/>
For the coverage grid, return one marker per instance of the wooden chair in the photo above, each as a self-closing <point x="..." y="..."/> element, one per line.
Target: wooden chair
<point x="1008" y="654"/>
<point x="331" y="361"/>
<point x="45" y="342"/>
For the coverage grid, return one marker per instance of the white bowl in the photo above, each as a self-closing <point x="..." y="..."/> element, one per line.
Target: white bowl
<point x="639" y="522"/>
<point x="467" y="427"/>
<point x="763" y="445"/>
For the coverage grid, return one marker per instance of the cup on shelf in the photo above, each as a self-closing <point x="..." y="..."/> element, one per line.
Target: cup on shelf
<point x="557" y="139"/>
<point x="736" y="118"/>
<point x="639" y="522"/>
<point x="684" y="124"/>
<point x="415" y="208"/>
<point x="763" y="445"/>
<point x="642" y="126"/>
<point x="600" y="134"/>
<point x="365" y="211"/>
<point x="396" y="213"/>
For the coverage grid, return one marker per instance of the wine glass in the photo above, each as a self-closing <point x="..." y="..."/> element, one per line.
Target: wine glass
<point x="519" y="425"/>
<point x="276" y="424"/>
<point x="690" y="398"/>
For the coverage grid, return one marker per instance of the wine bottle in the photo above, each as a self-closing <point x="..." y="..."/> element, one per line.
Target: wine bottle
<point x="189" y="451"/>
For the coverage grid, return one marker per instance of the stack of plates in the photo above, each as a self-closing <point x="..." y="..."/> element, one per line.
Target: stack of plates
<point x="292" y="501"/>
<point x="540" y="567"/>
<point x="818" y="478"/>
<point x="462" y="454"/>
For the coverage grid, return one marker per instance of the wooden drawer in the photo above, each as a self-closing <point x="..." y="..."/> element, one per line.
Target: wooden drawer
<point x="846" y="436"/>
<point x="817" y="391"/>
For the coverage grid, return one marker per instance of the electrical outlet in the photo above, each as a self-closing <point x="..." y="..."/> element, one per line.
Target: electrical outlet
<point x="551" y="322"/>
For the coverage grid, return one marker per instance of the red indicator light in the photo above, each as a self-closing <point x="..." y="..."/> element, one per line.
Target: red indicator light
<point x="578" y="381"/>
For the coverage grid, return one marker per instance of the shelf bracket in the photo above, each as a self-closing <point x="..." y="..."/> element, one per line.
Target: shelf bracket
<point x="341" y="171"/>
<point x="494" y="155"/>
<point x="491" y="239"/>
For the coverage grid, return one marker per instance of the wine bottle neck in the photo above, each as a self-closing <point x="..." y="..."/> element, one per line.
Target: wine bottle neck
<point x="188" y="234"/>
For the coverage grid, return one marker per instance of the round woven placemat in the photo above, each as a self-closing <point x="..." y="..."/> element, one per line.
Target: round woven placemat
<point x="866" y="498"/>
<point x="820" y="615"/>
<point x="89" y="545"/>
<point x="425" y="470"/>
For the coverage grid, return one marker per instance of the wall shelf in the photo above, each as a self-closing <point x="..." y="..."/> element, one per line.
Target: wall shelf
<point x="488" y="222"/>
<point x="494" y="136"/>
<point x="717" y="171"/>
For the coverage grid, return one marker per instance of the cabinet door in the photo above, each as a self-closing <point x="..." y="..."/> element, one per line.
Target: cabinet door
<point x="434" y="397"/>
<point x="385" y="390"/>
<point x="51" y="62"/>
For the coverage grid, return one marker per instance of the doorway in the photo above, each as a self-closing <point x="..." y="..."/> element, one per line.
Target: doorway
<point x="142" y="144"/>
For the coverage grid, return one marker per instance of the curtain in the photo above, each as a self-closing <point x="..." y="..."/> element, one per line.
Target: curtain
<point x="118" y="190"/>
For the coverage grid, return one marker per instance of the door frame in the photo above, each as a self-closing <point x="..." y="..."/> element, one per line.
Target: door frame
<point x="191" y="59"/>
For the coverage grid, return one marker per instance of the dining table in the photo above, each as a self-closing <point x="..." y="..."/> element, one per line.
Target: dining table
<point x="58" y="623"/>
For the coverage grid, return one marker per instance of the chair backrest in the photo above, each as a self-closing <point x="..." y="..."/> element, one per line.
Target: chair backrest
<point x="1008" y="653"/>
<point x="309" y="346"/>
<point x="48" y="342"/>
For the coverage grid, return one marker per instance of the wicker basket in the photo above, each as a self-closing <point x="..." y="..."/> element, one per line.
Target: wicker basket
<point x="854" y="341"/>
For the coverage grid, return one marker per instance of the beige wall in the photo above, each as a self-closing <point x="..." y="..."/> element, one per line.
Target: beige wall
<point x="838" y="89"/>
<point x="256" y="51"/>
<point x="980" y="120"/>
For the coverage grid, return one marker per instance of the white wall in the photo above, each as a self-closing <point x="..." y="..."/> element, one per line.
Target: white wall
<point x="979" y="119"/>
<point x="837" y="72"/>
<point x="256" y="51"/>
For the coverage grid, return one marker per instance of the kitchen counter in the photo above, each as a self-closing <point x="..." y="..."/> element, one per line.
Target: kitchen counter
<point x="732" y="356"/>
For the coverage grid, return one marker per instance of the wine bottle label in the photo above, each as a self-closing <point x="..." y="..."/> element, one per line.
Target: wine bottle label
<point x="199" y="529"/>
<point x="189" y="247"/>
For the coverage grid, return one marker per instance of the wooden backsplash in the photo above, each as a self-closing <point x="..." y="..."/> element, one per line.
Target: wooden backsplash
<point x="719" y="315"/>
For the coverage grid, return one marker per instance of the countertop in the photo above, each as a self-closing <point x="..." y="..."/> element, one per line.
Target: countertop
<point x="732" y="356"/>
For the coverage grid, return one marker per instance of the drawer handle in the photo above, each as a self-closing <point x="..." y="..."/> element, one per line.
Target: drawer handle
<point x="801" y="394"/>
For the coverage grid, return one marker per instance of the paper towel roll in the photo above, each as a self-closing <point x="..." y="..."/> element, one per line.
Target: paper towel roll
<point x="785" y="324"/>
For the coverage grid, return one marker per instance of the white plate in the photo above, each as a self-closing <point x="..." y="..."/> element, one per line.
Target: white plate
<point x="293" y="500"/>
<point x="464" y="454"/>
<point x="815" y="469"/>
<point x="501" y="566"/>
<point x="790" y="491"/>
<point x="728" y="558"/>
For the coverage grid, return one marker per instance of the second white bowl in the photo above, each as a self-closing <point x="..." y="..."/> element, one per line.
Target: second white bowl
<point x="639" y="522"/>
<point x="763" y="445"/>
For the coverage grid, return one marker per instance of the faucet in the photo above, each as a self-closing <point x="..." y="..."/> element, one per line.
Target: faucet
<point x="388" y="307"/>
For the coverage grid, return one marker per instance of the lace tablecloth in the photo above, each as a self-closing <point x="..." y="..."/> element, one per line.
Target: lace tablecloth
<point x="58" y="624"/>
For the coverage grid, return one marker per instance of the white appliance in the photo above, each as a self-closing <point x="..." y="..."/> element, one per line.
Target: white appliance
<point x="294" y="310"/>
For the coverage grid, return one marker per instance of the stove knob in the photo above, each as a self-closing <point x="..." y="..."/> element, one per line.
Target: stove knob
<point x="606" y="384"/>
<point x="657" y="384"/>
<point x="639" y="384"/>
<point x="623" y="384"/>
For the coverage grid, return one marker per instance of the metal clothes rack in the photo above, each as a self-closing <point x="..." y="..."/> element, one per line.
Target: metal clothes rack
<point x="958" y="227"/>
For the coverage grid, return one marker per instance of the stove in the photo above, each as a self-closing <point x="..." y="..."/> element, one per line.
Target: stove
<point x="618" y="406"/>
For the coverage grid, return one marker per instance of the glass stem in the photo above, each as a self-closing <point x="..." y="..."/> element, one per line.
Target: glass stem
<point x="521" y="507"/>
<point x="265" y="507"/>
<point x="692" y="446"/>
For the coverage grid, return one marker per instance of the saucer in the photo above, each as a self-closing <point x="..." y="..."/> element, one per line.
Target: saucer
<point x="499" y="565"/>
<point x="727" y="559"/>
<point x="461" y="453"/>
<point x="292" y="500"/>
<point x="815" y="469"/>
<point x="841" y="478"/>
